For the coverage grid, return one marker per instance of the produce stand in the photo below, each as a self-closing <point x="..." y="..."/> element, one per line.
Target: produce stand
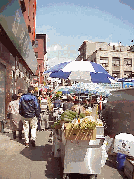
<point x="81" y="156"/>
<point x="81" y="151"/>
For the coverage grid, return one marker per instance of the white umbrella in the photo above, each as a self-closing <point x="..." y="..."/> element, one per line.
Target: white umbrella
<point x="84" y="71"/>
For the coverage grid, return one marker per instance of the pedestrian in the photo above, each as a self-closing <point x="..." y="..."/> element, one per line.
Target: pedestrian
<point x="57" y="102"/>
<point x="29" y="109"/>
<point x="16" y="123"/>
<point x="68" y="104"/>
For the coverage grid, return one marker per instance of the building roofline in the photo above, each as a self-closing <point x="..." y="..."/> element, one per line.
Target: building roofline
<point x="82" y="44"/>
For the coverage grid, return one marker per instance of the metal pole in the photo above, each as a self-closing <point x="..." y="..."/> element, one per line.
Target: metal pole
<point x="39" y="83"/>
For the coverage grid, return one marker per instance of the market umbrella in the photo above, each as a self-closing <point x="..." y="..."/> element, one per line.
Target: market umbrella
<point x="64" y="90"/>
<point x="56" y="67"/>
<point x="82" y="71"/>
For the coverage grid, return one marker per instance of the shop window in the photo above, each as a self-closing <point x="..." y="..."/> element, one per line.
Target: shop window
<point x="36" y="54"/>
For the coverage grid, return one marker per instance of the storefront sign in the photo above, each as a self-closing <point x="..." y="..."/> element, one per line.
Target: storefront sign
<point x="128" y="84"/>
<point x="12" y="20"/>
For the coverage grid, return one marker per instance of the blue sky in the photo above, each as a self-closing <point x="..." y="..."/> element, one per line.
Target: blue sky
<point x="67" y="24"/>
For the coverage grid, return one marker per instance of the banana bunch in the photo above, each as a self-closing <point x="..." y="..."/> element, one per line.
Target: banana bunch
<point x="88" y="124"/>
<point x="85" y="123"/>
<point x="99" y="122"/>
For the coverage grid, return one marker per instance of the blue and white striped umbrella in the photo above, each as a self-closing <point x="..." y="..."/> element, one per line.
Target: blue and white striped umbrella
<point x="83" y="71"/>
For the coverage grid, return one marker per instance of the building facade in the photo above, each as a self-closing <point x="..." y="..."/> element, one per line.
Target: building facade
<point x="118" y="60"/>
<point x="17" y="58"/>
<point x="29" y="13"/>
<point x="40" y="52"/>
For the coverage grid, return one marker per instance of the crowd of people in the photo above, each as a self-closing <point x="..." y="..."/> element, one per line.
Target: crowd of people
<point x="25" y="110"/>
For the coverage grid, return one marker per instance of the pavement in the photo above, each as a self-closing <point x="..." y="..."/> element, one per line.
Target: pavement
<point x="18" y="162"/>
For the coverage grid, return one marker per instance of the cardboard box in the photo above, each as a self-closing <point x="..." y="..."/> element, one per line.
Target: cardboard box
<point x="79" y="134"/>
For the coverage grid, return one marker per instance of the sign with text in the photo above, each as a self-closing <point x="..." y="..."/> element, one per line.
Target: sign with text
<point x="12" y="20"/>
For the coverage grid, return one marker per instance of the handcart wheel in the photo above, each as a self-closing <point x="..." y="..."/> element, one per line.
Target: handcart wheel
<point x="93" y="176"/>
<point x="65" y="176"/>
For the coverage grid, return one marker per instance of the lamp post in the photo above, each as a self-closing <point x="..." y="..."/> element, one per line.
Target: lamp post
<point x="39" y="80"/>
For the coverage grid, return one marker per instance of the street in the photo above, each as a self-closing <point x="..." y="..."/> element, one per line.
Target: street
<point x="18" y="162"/>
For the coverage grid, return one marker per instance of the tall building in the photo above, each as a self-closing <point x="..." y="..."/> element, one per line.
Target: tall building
<point x="40" y="51"/>
<point x="88" y="47"/>
<point x="118" y="60"/>
<point x="17" y="58"/>
<point x="29" y="13"/>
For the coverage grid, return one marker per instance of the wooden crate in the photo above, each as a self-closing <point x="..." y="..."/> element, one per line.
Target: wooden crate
<point x="129" y="169"/>
<point x="78" y="134"/>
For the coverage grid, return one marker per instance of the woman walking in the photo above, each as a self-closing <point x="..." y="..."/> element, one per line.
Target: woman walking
<point x="15" y="118"/>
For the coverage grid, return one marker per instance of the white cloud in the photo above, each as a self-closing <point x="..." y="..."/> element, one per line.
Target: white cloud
<point x="54" y="61"/>
<point x="54" y="48"/>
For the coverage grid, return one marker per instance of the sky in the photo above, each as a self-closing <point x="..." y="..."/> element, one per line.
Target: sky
<point x="68" y="23"/>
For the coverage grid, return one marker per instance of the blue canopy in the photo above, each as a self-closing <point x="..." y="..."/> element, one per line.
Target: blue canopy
<point x="98" y="68"/>
<point x="100" y="77"/>
<point x="81" y="71"/>
<point x="57" y="67"/>
<point x="60" y="74"/>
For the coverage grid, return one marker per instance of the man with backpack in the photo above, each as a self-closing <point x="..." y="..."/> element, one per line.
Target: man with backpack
<point x="29" y="109"/>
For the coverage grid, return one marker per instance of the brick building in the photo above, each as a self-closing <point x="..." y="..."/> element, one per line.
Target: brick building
<point x="17" y="57"/>
<point x="40" y="51"/>
<point x="115" y="58"/>
<point x="29" y="13"/>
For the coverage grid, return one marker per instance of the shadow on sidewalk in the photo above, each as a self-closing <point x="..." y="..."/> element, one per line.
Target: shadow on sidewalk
<point x="111" y="162"/>
<point x="44" y="153"/>
<point x="10" y="135"/>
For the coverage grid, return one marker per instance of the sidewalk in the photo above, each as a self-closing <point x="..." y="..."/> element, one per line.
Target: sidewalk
<point x="18" y="162"/>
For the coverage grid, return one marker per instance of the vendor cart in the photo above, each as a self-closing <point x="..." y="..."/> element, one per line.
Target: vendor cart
<point x="80" y="156"/>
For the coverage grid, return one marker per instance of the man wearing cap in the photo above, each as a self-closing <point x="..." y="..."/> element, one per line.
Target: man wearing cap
<point x="29" y="109"/>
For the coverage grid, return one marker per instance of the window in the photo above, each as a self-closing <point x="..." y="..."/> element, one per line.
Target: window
<point x="128" y="62"/>
<point x="23" y="7"/>
<point x="115" y="61"/>
<point x="36" y="54"/>
<point x="29" y="29"/>
<point x="104" y="61"/>
<point x="113" y="47"/>
<point x="104" y="64"/>
<point x="36" y="43"/>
